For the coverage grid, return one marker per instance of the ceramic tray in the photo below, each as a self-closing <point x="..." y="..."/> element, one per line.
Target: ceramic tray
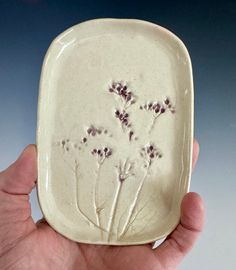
<point x="115" y="132"/>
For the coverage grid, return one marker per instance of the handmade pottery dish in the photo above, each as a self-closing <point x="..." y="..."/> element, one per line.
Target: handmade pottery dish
<point x="115" y="132"/>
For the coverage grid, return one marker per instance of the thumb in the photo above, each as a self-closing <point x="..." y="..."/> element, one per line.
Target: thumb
<point x="20" y="177"/>
<point x="171" y="252"/>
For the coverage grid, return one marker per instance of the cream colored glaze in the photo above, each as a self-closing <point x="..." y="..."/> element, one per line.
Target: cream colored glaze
<point x="78" y="70"/>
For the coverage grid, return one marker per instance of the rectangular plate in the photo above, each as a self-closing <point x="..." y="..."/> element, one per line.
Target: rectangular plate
<point x="115" y="132"/>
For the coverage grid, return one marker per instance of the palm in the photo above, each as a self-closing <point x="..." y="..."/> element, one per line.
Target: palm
<point x="26" y="245"/>
<point x="55" y="252"/>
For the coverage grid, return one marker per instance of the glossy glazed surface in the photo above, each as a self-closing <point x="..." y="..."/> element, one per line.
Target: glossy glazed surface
<point x="115" y="130"/>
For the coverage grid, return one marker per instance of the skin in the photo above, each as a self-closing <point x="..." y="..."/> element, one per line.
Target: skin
<point x="25" y="244"/>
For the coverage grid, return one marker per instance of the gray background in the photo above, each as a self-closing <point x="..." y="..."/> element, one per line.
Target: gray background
<point x="209" y="31"/>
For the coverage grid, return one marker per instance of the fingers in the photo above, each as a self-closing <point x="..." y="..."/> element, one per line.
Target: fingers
<point x="192" y="212"/>
<point x="16" y="182"/>
<point x="179" y="243"/>
<point x="21" y="176"/>
<point x="195" y="153"/>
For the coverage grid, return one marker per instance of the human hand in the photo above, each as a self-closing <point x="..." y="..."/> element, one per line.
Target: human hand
<point x="25" y="244"/>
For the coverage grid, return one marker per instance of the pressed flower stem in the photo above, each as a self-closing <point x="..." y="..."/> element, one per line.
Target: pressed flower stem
<point x="114" y="210"/>
<point x="90" y="221"/>
<point x="153" y="123"/>
<point x="133" y="205"/>
<point x="95" y="193"/>
<point x="134" y="218"/>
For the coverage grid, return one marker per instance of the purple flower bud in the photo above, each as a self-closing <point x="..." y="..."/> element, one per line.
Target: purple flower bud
<point x="117" y="113"/>
<point x="128" y="98"/>
<point x="163" y="110"/>
<point x="151" y="155"/>
<point x="131" y="133"/>
<point x="94" y="151"/>
<point x="167" y="101"/>
<point x="109" y="153"/>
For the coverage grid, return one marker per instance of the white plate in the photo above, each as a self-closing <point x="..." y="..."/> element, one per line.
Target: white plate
<point x="103" y="176"/>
